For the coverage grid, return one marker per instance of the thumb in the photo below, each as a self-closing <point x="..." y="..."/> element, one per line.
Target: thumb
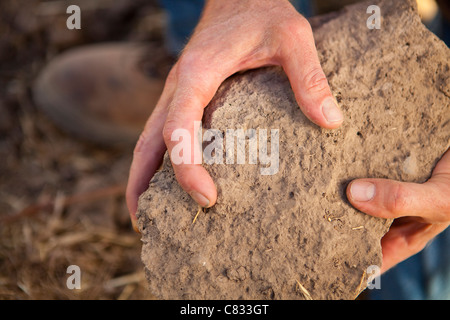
<point x="391" y="199"/>
<point x="309" y="83"/>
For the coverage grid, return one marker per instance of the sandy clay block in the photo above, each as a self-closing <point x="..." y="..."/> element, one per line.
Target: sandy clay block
<point x="293" y="234"/>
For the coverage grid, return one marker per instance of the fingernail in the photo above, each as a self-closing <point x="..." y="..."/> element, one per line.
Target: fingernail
<point x="331" y="111"/>
<point x="362" y="191"/>
<point x="200" y="199"/>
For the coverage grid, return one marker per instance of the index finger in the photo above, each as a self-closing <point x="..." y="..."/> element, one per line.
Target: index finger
<point x="193" y="93"/>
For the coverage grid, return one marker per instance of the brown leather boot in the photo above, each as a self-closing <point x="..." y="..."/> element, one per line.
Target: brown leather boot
<point x="103" y="93"/>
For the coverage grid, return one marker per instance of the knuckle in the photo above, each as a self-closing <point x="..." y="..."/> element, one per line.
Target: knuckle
<point x="397" y="200"/>
<point x="168" y="130"/>
<point x="192" y="72"/>
<point x="304" y="25"/>
<point x="172" y="76"/>
<point x="182" y="177"/>
<point x="445" y="189"/>
<point x="295" y="26"/>
<point x="315" y="80"/>
<point x="171" y="126"/>
<point x="189" y="62"/>
<point x="140" y="145"/>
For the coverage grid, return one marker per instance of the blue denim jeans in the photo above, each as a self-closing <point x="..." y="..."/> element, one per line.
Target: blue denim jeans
<point x="425" y="275"/>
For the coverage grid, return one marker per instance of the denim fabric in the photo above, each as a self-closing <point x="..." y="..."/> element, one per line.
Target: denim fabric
<point x="182" y="16"/>
<point x="426" y="275"/>
<point x="441" y="27"/>
<point x="304" y="7"/>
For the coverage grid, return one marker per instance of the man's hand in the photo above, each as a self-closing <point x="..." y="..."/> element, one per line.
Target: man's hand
<point x="421" y="211"/>
<point x="232" y="36"/>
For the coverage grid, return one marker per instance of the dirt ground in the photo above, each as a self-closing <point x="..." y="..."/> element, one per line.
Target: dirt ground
<point x="61" y="199"/>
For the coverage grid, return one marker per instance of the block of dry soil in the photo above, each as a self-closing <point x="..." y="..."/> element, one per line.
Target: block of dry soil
<point x="293" y="234"/>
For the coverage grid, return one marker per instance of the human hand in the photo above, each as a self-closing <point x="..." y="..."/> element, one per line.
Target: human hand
<point x="421" y="211"/>
<point x="231" y="36"/>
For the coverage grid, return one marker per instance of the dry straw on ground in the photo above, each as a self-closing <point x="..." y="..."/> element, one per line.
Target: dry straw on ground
<point x="61" y="200"/>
